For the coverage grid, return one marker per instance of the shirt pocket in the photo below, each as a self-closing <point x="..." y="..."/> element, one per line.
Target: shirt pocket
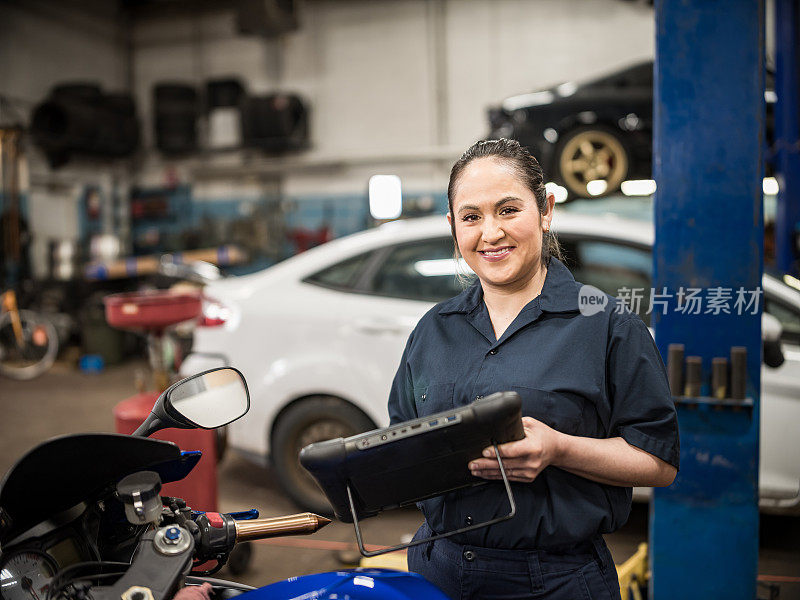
<point x="562" y="412"/>
<point x="433" y="398"/>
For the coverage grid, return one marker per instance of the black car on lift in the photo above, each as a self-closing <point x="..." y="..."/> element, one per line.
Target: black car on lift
<point x="598" y="130"/>
<point x="601" y="129"/>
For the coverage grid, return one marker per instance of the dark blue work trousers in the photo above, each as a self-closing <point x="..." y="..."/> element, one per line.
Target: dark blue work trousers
<point x="585" y="572"/>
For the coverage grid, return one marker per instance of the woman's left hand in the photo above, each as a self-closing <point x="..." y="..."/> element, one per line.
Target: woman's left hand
<point x="524" y="459"/>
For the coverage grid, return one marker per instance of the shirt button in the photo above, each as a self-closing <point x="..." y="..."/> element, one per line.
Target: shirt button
<point x="478" y="397"/>
<point x="469" y="555"/>
<point x="468" y="520"/>
<point x="493" y="352"/>
<point x="424" y="397"/>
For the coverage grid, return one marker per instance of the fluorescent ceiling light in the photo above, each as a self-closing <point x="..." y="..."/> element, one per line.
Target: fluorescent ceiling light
<point x="770" y="186"/>
<point x="596" y="187"/>
<point x="639" y="187"/>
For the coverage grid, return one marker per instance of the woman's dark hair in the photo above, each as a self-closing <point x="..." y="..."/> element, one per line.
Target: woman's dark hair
<point x="527" y="169"/>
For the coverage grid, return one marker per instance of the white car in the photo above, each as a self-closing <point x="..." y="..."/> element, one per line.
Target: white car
<point x="320" y="335"/>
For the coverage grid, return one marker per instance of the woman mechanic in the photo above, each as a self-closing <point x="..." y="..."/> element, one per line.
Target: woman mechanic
<point x="597" y="412"/>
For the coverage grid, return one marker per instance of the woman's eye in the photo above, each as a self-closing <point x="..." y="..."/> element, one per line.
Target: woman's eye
<point x="469" y="217"/>
<point x="509" y="210"/>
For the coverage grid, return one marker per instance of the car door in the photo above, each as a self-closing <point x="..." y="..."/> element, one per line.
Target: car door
<point x="780" y="412"/>
<point x="392" y="295"/>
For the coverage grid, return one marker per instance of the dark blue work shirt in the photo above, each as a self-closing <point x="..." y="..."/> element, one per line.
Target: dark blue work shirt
<point x="595" y="376"/>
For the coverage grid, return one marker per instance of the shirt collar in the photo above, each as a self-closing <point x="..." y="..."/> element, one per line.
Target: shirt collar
<point x="559" y="293"/>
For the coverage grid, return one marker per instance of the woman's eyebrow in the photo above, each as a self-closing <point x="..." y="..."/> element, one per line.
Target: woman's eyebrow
<point x="497" y="204"/>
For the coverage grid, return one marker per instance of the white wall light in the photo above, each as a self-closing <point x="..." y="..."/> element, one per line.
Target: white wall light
<point x="385" y="197"/>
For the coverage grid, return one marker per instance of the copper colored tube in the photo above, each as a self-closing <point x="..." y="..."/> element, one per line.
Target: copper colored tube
<point x="694" y="376"/>
<point x="298" y="524"/>
<point x="719" y="377"/>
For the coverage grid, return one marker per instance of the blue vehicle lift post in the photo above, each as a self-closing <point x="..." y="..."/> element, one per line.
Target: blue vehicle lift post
<point x="787" y="134"/>
<point x="708" y="135"/>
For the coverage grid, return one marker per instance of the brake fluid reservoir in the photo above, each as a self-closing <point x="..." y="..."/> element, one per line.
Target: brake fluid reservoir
<point x="139" y="493"/>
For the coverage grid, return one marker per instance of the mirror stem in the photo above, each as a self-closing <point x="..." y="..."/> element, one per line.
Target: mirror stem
<point x="150" y="425"/>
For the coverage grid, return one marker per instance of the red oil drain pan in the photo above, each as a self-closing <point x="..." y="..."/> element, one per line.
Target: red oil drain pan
<point x="153" y="310"/>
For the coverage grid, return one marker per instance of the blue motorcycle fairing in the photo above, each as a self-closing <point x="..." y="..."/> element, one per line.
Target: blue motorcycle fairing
<point x="350" y="584"/>
<point x="177" y="469"/>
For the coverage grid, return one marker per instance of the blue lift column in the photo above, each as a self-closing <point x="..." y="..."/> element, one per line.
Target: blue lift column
<point x="708" y="135"/>
<point x="787" y="133"/>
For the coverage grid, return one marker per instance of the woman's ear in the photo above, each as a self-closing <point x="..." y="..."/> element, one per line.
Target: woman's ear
<point x="450" y="219"/>
<point x="547" y="217"/>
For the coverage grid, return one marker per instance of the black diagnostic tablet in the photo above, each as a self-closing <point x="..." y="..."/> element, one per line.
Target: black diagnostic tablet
<point x="402" y="464"/>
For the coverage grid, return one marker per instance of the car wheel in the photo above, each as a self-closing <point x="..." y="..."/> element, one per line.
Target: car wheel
<point x="308" y="421"/>
<point x="588" y="154"/>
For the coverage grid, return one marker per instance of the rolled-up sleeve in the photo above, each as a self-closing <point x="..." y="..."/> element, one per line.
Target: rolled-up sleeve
<point x="642" y="409"/>
<point x="401" y="396"/>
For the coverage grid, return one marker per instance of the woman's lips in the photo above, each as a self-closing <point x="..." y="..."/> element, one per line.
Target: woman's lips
<point x="495" y="255"/>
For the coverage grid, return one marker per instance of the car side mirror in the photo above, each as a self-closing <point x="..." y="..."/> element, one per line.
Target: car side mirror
<point x="206" y="400"/>
<point x="771" y="331"/>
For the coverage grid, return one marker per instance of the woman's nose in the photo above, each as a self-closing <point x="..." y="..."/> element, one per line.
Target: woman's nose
<point x="492" y="232"/>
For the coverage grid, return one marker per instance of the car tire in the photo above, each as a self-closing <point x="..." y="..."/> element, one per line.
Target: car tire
<point x="311" y="420"/>
<point x="591" y="153"/>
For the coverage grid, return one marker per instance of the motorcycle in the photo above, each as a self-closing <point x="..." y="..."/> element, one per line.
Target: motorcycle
<point x="82" y="518"/>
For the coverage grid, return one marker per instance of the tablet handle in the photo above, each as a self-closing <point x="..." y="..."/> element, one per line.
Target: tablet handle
<point x="440" y="536"/>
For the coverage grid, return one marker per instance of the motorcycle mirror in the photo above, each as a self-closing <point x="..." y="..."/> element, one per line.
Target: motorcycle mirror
<point x="207" y="400"/>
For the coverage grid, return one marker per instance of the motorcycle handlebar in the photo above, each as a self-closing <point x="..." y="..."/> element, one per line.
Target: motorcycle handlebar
<point x="299" y="524"/>
<point x="219" y="533"/>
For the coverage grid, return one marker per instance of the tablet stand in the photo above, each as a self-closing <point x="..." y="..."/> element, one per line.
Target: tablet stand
<point x="440" y="536"/>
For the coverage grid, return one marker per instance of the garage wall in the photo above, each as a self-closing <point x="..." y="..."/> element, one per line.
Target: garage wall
<point x="499" y="48"/>
<point x="395" y="86"/>
<point x="43" y="43"/>
<point x="398" y="79"/>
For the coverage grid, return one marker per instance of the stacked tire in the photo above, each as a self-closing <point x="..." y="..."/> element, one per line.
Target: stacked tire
<point x="81" y="119"/>
<point x="176" y="108"/>
<point x="275" y="123"/>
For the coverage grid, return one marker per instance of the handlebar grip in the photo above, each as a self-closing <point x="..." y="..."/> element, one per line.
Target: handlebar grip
<point x="219" y="533"/>
<point x="299" y="524"/>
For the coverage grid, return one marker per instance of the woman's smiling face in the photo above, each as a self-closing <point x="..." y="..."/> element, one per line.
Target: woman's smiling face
<point x="497" y="224"/>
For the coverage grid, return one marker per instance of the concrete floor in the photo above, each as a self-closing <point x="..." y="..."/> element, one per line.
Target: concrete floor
<point x="67" y="401"/>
